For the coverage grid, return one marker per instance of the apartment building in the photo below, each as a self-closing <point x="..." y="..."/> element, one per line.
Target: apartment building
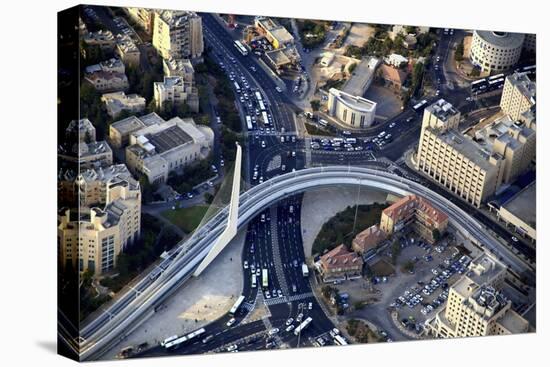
<point x="496" y="51"/>
<point x="98" y="43"/>
<point x="416" y="212"/>
<point x="158" y="149"/>
<point x="142" y="16"/>
<point x="106" y="221"/>
<point x="518" y="95"/>
<point x="353" y="111"/>
<point x="175" y="90"/>
<point x="117" y="102"/>
<point x="178" y="34"/>
<point x="107" y="76"/>
<point x="85" y="150"/>
<point x="127" y="50"/>
<point x="179" y="67"/>
<point x="340" y="264"/>
<point x="476" y="307"/>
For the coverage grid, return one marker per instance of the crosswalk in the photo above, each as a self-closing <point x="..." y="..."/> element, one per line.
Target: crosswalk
<point x="286" y="299"/>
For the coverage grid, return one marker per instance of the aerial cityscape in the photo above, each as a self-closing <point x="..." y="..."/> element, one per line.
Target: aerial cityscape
<point x="232" y="183"/>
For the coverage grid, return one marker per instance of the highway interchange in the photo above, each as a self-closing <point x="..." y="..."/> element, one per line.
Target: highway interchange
<point x="273" y="238"/>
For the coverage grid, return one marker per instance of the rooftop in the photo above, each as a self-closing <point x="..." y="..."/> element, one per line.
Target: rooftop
<point x="169" y="138"/>
<point x="522" y="82"/>
<point x="340" y="257"/>
<point x="369" y="238"/>
<point x="276" y="30"/>
<point x="355" y="102"/>
<point x="363" y="73"/>
<point x="442" y="109"/>
<point x="176" y="18"/>
<point x="523" y="205"/>
<point x="502" y="39"/>
<point x="405" y="205"/>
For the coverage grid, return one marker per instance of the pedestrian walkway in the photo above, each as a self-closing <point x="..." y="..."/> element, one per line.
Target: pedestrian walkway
<point x="275" y="301"/>
<point x="298" y="297"/>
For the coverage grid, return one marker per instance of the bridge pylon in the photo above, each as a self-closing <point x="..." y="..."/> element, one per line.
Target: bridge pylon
<point x="232" y="219"/>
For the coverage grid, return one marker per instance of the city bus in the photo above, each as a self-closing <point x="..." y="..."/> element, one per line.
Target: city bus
<point x="264" y="116"/>
<point x="261" y="105"/>
<point x="241" y="48"/>
<point x="265" y="280"/>
<point x="302" y="326"/>
<point x="305" y="270"/>
<point x="494" y="77"/>
<point x="419" y="105"/>
<point x="236" y="305"/>
<point x="168" y="340"/>
<point x="182" y="339"/>
<point x="476" y="82"/>
<point x="258" y="96"/>
<point x="338" y="339"/>
<point x="254" y="284"/>
<point x="237" y="87"/>
<point x="249" y="123"/>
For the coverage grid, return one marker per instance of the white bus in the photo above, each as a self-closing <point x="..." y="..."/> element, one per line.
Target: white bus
<point x="338" y="339"/>
<point x="237" y="87"/>
<point x="261" y="105"/>
<point x="265" y="280"/>
<point x="498" y="76"/>
<point x="236" y="305"/>
<point x="249" y="123"/>
<point x="258" y="96"/>
<point x="168" y="340"/>
<point x="476" y="82"/>
<point x="302" y="326"/>
<point x="254" y="284"/>
<point x="264" y="116"/>
<point x="419" y="105"/>
<point x="182" y="339"/>
<point x="305" y="270"/>
<point x="241" y="48"/>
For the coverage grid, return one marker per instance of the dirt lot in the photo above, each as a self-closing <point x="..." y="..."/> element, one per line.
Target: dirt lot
<point x="388" y="103"/>
<point x="359" y="34"/>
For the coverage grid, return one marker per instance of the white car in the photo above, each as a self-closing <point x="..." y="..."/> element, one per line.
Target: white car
<point x="230" y="322"/>
<point x="273" y="331"/>
<point x="289" y="321"/>
<point x="278" y="89"/>
<point x="245" y="265"/>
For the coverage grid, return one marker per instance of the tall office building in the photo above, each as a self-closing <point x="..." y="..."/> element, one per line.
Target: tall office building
<point x="178" y="34"/>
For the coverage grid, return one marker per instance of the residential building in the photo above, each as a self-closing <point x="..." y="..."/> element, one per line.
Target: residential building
<point x="107" y="76"/>
<point x="142" y="16"/>
<point x="417" y="213"/>
<point x="179" y="67"/>
<point x="275" y="33"/>
<point x="496" y="51"/>
<point x="160" y="148"/>
<point x="339" y="264"/>
<point x="106" y="221"/>
<point x="177" y="91"/>
<point x="475" y="306"/>
<point x="353" y="111"/>
<point x="119" y="131"/>
<point x="396" y="60"/>
<point x="368" y="240"/>
<point x="393" y="77"/>
<point x="117" y="102"/>
<point x="127" y="50"/>
<point x="98" y="43"/>
<point x="520" y="212"/>
<point x="178" y="34"/>
<point x="518" y="95"/>
<point x="85" y="151"/>
<point x="362" y="77"/>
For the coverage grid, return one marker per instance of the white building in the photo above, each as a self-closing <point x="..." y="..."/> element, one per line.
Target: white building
<point x="354" y="111"/>
<point x="117" y="102"/>
<point x="176" y="90"/>
<point x="396" y="60"/>
<point x="496" y="51"/>
<point x="127" y="50"/>
<point x="107" y="76"/>
<point x="160" y="148"/>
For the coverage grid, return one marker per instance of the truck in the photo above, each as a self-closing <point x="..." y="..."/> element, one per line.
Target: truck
<point x="305" y="270"/>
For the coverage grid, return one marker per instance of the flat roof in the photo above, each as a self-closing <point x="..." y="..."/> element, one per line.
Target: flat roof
<point x="523" y="205"/>
<point x="169" y="138"/>
<point x="442" y="109"/>
<point x="363" y="73"/>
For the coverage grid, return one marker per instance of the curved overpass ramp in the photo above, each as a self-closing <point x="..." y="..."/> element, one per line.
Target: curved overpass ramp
<point x="131" y="309"/>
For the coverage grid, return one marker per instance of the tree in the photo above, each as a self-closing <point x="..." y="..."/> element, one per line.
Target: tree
<point x="436" y="234"/>
<point x="475" y="72"/>
<point x="146" y="189"/>
<point x="408" y="266"/>
<point x="459" y="52"/>
<point x="315" y="105"/>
